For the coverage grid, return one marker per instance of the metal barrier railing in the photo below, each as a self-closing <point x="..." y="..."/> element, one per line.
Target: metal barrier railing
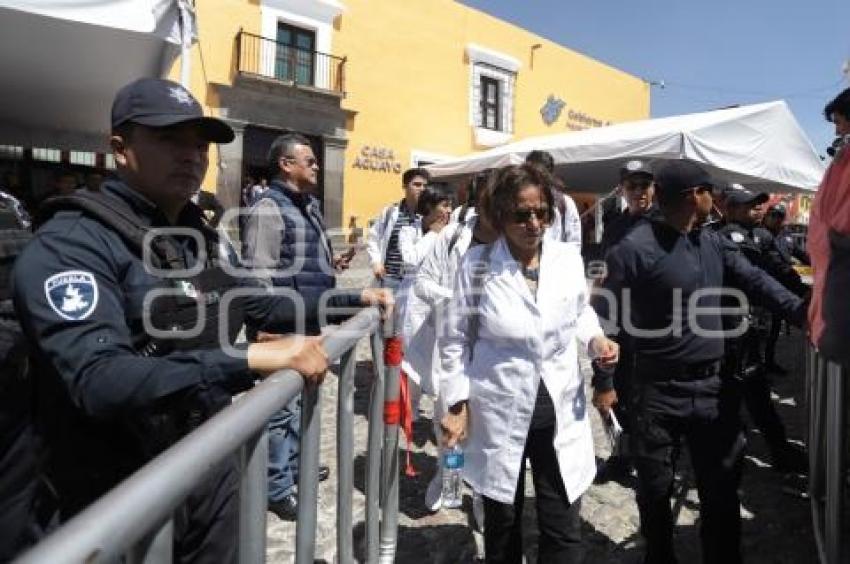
<point x="134" y="520"/>
<point x="828" y="406"/>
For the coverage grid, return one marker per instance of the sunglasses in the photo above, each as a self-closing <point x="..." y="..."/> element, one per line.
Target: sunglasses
<point x="309" y="161"/>
<point x="524" y="216"/>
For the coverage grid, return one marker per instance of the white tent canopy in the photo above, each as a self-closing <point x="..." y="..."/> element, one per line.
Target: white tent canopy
<point x="63" y="61"/>
<point x="760" y="146"/>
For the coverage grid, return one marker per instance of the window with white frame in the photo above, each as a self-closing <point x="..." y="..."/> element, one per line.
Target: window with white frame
<point x="492" y="87"/>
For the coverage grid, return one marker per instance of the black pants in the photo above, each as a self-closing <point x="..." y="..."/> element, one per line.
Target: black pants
<point x="702" y="411"/>
<point x="772" y="338"/>
<point x="557" y="519"/>
<point x="207" y="525"/>
<point x="744" y="369"/>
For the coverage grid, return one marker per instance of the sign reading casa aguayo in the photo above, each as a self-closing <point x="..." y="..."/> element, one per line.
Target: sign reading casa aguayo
<point x="379" y="159"/>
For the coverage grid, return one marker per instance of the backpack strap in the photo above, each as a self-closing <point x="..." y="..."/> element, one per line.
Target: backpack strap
<point x="116" y="215"/>
<point x="480" y="271"/>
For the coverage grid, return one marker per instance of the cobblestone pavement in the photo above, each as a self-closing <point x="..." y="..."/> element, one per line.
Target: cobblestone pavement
<point x="776" y="525"/>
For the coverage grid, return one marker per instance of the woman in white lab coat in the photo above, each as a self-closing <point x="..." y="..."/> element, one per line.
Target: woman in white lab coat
<point x="509" y="372"/>
<point x="432" y="293"/>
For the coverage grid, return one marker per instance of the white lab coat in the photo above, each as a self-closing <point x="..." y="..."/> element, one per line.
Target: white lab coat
<point x="565" y="227"/>
<point x="412" y="314"/>
<point x="432" y="292"/>
<point x="520" y="340"/>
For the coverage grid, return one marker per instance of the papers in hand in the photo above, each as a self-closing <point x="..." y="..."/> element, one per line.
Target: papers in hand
<point x="613" y="429"/>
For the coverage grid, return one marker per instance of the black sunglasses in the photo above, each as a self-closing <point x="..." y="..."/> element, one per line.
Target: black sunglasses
<point x="524" y="216"/>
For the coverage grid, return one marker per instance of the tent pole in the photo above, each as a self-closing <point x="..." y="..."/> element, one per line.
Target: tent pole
<point x="186" y="26"/>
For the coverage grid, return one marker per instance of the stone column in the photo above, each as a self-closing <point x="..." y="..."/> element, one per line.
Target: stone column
<point x="333" y="163"/>
<point x="229" y="187"/>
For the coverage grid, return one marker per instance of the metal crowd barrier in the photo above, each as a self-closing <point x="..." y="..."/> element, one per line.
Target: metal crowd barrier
<point x="134" y="520"/>
<point x="829" y="404"/>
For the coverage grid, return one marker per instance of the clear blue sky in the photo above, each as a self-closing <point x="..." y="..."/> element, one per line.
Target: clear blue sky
<point x="710" y="53"/>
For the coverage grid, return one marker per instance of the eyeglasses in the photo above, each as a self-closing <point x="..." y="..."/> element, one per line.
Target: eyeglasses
<point x="309" y="161"/>
<point x="419" y="184"/>
<point x="524" y="216"/>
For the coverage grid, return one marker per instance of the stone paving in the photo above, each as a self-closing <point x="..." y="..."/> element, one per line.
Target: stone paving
<point x="776" y="526"/>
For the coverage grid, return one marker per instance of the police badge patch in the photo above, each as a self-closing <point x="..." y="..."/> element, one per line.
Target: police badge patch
<point x="72" y="294"/>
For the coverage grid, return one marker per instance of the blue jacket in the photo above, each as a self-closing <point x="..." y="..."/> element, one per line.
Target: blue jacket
<point x="306" y="261"/>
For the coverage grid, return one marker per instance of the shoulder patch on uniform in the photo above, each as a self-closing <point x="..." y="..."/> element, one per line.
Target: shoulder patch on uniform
<point x="737" y="237"/>
<point x="72" y="294"/>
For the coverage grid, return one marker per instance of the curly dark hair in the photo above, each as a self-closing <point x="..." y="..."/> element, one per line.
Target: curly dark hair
<point x="500" y="201"/>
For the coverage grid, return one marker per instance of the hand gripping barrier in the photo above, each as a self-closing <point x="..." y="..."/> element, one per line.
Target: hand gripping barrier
<point x="134" y="520"/>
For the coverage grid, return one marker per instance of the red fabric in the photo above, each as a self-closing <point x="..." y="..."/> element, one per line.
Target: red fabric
<point x="830" y="211"/>
<point x="392" y="412"/>
<point x="406" y="420"/>
<point x="393" y="351"/>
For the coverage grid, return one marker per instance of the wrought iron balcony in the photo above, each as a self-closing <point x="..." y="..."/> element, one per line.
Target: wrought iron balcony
<point x="260" y="56"/>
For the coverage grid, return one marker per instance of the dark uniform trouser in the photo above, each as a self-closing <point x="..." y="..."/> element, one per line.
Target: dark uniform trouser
<point x="557" y="520"/>
<point x="698" y="408"/>
<point x="207" y="525"/>
<point x="745" y="365"/>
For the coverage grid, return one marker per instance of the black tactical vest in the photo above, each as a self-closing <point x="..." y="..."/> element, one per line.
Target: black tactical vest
<point x="181" y="306"/>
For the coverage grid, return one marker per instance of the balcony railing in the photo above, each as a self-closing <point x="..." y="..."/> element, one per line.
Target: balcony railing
<point x="261" y="56"/>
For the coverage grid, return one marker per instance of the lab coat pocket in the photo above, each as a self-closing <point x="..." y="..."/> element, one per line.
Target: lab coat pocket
<point x="490" y="417"/>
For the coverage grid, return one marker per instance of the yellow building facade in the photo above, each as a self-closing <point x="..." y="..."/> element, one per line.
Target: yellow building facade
<point x="381" y="85"/>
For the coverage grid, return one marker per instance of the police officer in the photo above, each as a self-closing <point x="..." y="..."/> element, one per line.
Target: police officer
<point x="639" y="192"/>
<point x="744" y="360"/>
<point x="109" y="315"/>
<point x="785" y="249"/>
<point x="666" y="278"/>
<point x="21" y="521"/>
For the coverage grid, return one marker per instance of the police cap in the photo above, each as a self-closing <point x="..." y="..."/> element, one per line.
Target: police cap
<point x="156" y="102"/>
<point x="738" y="195"/>
<point x="675" y="177"/>
<point x="635" y="167"/>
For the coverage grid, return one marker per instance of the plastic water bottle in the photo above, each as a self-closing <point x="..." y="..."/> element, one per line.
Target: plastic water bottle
<point x="452" y="481"/>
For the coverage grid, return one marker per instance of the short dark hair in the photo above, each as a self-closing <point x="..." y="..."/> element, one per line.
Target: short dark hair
<point x="838" y="105"/>
<point x="432" y="195"/>
<point x="282" y="146"/>
<point x="412" y="173"/>
<point x="541" y="158"/>
<point x="500" y="200"/>
<point x="125" y="130"/>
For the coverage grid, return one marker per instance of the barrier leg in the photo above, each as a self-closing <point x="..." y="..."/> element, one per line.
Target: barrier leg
<point x="836" y="463"/>
<point x="308" y="476"/>
<point x="253" y="500"/>
<point x="390" y="479"/>
<point x="373" y="462"/>
<point x="345" y="460"/>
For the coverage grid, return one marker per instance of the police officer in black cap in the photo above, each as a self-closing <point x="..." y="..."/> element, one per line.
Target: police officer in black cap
<point x="785" y="249"/>
<point x="639" y="193"/>
<point x="111" y="299"/>
<point x="744" y="358"/>
<point x="666" y="278"/>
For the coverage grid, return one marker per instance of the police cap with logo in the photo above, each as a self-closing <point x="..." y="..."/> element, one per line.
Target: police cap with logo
<point x="155" y="102"/>
<point x="635" y="167"/>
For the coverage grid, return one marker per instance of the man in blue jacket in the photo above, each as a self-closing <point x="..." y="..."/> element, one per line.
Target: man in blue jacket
<point x="286" y="245"/>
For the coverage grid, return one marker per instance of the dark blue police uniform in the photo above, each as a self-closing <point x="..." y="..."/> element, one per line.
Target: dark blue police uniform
<point x="672" y="281"/>
<point x="744" y="360"/>
<point x="109" y="395"/>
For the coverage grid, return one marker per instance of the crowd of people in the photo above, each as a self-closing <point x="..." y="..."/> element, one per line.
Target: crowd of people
<point x="491" y="296"/>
